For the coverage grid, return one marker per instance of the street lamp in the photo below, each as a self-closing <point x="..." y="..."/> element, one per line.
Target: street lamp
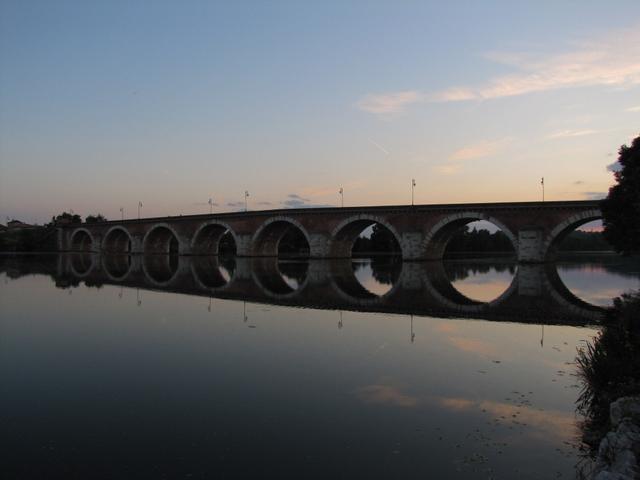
<point x="542" y="183"/>
<point x="139" y="207"/>
<point x="246" y="195"/>
<point x="413" y="187"/>
<point x="211" y="205"/>
<point x="341" y="192"/>
<point x="122" y="212"/>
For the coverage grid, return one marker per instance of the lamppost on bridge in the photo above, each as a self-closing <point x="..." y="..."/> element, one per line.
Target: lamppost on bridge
<point x="122" y="212"/>
<point x="211" y="205"/>
<point x="542" y="183"/>
<point x="413" y="187"/>
<point x="246" y="195"/>
<point x="341" y="192"/>
<point x="139" y="207"/>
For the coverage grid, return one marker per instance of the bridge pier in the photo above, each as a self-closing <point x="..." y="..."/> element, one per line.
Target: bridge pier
<point x="530" y="248"/>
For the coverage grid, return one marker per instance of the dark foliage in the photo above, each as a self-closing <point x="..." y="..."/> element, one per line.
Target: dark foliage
<point x="609" y="367"/>
<point x="95" y="218"/>
<point x="37" y="239"/>
<point x="66" y="218"/>
<point x="579" y="241"/>
<point x="479" y="241"/>
<point x="380" y="241"/>
<point x="621" y="208"/>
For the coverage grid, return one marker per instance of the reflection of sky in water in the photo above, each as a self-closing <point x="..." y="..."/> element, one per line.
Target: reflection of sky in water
<point x="176" y="385"/>
<point x="364" y="273"/>
<point x="484" y="286"/>
<point x="599" y="283"/>
<point x="225" y="273"/>
<point x="292" y="282"/>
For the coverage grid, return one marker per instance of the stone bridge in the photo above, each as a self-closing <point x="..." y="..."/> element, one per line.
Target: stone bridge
<point x="421" y="231"/>
<point x="536" y="293"/>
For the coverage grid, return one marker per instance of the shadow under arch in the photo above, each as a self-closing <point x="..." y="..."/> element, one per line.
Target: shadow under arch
<point x="82" y="240"/>
<point x="344" y="236"/>
<point x="117" y="267"/>
<point x="117" y="240"/>
<point x="160" y="270"/>
<point x="555" y="237"/>
<point x="266" y="241"/>
<point x="435" y="242"/>
<point x="269" y="274"/>
<point x="348" y="287"/>
<point x="442" y="290"/>
<point x="161" y="239"/>
<point x="206" y="240"/>
<point x="208" y="275"/>
<point x="81" y="264"/>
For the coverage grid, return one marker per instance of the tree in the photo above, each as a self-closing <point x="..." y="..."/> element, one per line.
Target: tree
<point x="95" y="218"/>
<point x="621" y="208"/>
<point x="65" y="217"/>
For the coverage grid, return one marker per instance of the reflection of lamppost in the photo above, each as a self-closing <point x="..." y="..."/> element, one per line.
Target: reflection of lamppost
<point x="244" y="312"/>
<point x="341" y="192"/>
<point x="340" y="321"/>
<point x="138" y="297"/>
<point x="246" y="195"/>
<point x="209" y="303"/>
<point x="542" y="338"/>
<point x="413" y="335"/>
<point x="120" y="294"/>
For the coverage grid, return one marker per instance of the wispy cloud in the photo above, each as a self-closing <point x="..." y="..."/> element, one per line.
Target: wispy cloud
<point x="235" y="204"/>
<point x="386" y="395"/>
<point x="612" y="60"/>
<point x="386" y="103"/>
<point x="578" y="182"/>
<point x="571" y="133"/>
<point x="485" y="148"/>
<point x="633" y="109"/>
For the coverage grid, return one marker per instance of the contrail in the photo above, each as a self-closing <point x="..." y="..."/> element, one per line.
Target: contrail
<point x="380" y="147"/>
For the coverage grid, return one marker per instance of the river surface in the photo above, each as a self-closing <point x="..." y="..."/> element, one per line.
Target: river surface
<point x="224" y="368"/>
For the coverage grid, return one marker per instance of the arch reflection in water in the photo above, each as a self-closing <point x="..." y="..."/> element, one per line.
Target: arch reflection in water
<point x="280" y="278"/>
<point x="480" y="281"/>
<point x="161" y="269"/>
<point x="213" y="272"/>
<point x="619" y="274"/>
<point x="117" y="267"/>
<point x="536" y="293"/>
<point x="377" y="275"/>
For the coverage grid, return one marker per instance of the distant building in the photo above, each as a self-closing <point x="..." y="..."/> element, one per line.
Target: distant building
<point x="18" y="225"/>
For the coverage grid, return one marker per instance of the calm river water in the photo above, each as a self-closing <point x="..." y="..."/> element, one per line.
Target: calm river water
<point x="130" y="367"/>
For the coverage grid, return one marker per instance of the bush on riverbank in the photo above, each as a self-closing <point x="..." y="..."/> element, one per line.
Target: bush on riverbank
<point x="609" y="367"/>
<point x="35" y="239"/>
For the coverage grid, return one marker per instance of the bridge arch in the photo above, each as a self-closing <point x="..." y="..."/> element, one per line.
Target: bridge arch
<point x="560" y="231"/>
<point x="117" y="240"/>
<point x="435" y="242"/>
<point x="266" y="240"/>
<point x="345" y="234"/>
<point x="161" y="239"/>
<point x="206" y="240"/>
<point x="82" y="240"/>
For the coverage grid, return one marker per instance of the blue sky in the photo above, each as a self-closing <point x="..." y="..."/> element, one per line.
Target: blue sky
<point x="104" y="104"/>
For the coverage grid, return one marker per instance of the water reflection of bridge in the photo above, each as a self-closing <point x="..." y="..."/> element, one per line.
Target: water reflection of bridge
<point x="536" y="293"/>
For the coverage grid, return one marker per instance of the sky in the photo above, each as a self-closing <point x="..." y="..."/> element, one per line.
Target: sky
<point x="107" y="104"/>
